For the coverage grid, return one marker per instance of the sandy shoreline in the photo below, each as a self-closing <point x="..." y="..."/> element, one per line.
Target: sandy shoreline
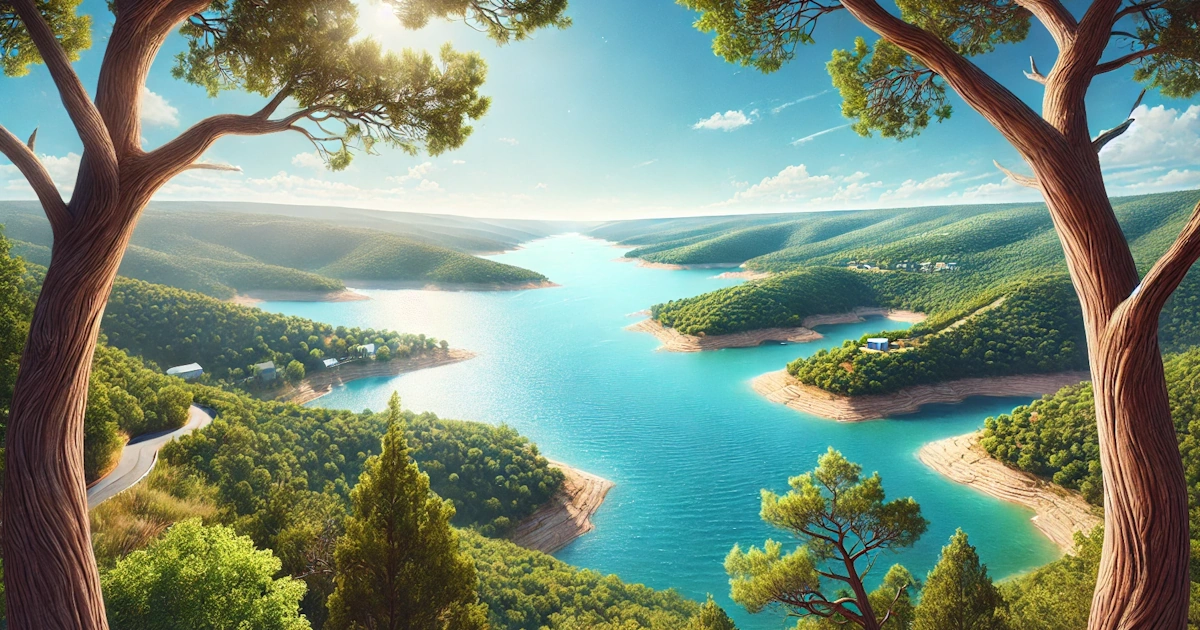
<point x="1058" y="512"/>
<point x="567" y="515"/>
<point x="746" y="274"/>
<point x="254" y="298"/>
<point x="320" y="383"/>
<point x="783" y="388"/>
<point x="448" y="286"/>
<point x="674" y="341"/>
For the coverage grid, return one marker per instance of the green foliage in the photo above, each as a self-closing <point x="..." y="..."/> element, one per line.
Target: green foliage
<point x="781" y="300"/>
<point x="132" y="519"/>
<point x="1173" y="29"/>
<point x="958" y="594"/>
<point x="1036" y="329"/>
<point x="294" y="372"/>
<point x="16" y="309"/>
<point x="527" y="589"/>
<point x="399" y="565"/>
<point x="17" y="50"/>
<point x="204" y="578"/>
<point x="710" y="617"/>
<point x="266" y="457"/>
<point x="173" y="327"/>
<point x="884" y="89"/>
<point x="503" y="20"/>
<point x="1057" y="596"/>
<point x="841" y="518"/>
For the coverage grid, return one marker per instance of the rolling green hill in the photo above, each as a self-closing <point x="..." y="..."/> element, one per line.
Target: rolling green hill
<point x="222" y="254"/>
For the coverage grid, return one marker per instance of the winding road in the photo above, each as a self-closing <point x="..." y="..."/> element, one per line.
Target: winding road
<point x="139" y="456"/>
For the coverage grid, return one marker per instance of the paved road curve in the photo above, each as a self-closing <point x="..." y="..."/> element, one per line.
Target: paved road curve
<point x="139" y="456"/>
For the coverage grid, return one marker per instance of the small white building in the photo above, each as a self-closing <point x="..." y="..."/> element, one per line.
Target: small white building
<point x="330" y="363"/>
<point x="879" y="344"/>
<point x="189" y="372"/>
<point x="266" y="371"/>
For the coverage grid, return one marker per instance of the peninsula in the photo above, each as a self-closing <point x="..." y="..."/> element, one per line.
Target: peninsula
<point x="567" y="515"/>
<point x="320" y="383"/>
<point x="783" y="388"/>
<point x="1058" y="512"/>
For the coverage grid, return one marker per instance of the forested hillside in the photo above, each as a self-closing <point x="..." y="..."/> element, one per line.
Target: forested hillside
<point x="223" y="254"/>
<point x="173" y="327"/>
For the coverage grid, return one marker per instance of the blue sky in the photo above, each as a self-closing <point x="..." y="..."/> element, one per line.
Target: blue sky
<point x="629" y="114"/>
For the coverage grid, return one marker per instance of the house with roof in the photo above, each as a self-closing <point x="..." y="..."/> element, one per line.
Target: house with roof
<point x="265" y="371"/>
<point x="878" y="344"/>
<point x="330" y="363"/>
<point x="189" y="372"/>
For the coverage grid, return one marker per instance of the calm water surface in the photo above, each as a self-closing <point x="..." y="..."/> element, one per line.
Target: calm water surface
<point x="686" y="440"/>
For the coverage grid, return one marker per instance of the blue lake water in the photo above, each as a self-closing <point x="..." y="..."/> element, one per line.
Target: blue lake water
<point x="687" y="442"/>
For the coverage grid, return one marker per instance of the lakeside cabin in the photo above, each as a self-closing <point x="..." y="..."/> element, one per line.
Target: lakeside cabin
<point x="266" y="371"/>
<point x="189" y="372"/>
<point x="330" y="363"/>
<point x="878" y="344"/>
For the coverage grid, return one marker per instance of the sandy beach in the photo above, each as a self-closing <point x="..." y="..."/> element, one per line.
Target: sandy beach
<point x="674" y="341"/>
<point x="784" y="389"/>
<point x="256" y="297"/>
<point x="746" y="274"/>
<point x="1058" y="512"/>
<point x="567" y="515"/>
<point x="322" y="382"/>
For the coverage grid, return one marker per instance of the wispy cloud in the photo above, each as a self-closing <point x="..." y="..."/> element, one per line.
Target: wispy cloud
<point x="730" y="120"/>
<point x="780" y="108"/>
<point x="646" y="163"/>
<point x="813" y="136"/>
<point x="510" y="141"/>
<point x="309" y="160"/>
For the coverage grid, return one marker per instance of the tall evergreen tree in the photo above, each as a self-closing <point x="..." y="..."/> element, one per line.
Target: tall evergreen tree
<point x="958" y="593"/>
<point x="398" y="566"/>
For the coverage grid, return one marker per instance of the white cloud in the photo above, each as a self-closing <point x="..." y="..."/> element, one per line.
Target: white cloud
<point x="913" y="188"/>
<point x="419" y="171"/>
<point x="813" y="136"/>
<point x="457" y="162"/>
<point x="728" y="121"/>
<point x="309" y="161"/>
<point x="62" y="170"/>
<point x="510" y="141"/>
<point x="156" y="111"/>
<point x="540" y="186"/>
<point x="427" y="185"/>
<point x="646" y="163"/>
<point x="1158" y="136"/>
<point x="780" y="108"/>
<point x="795" y="185"/>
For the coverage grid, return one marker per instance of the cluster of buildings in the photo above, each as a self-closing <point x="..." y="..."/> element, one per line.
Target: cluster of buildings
<point x="265" y="371"/>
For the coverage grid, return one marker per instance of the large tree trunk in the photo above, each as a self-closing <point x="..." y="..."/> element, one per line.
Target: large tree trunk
<point x="1144" y="579"/>
<point x="50" y="572"/>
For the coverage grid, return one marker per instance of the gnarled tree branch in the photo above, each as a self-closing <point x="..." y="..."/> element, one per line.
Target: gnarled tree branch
<point x="1121" y="62"/>
<point x="1149" y="297"/>
<point x="21" y="154"/>
<point x="1055" y="17"/>
<point x="97" y="145"/>
<point x="1023" y="180"/>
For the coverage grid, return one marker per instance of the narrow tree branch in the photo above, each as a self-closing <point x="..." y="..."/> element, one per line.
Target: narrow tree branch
<point x="1019" y="124"/>
<point x="1149" y="297"/>
<point x="1055" y="17"/>
<point x="1033" y="74"/>
<point x="1111" y="134"/>
<point x="32" y="141"/>
<point x="1023" y="180"/>
<point x="1121" y="62"/>
<point x="97" y="144"/>
<point x="22" y="156"/>
<point x="213" y="166"/>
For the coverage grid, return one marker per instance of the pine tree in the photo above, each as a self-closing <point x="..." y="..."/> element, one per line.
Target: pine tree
<point x="958" y="593"/>
<point x="710" y="617"/>
<point x="398" y="566"/>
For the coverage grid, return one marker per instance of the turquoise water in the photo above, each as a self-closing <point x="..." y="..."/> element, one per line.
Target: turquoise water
<point x="687" y="442"/>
